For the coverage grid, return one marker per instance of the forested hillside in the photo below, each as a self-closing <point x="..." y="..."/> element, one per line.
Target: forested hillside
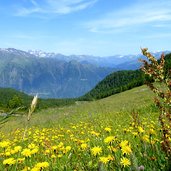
<point x="10" y="99"/>
<point x="120" y="81"/>
<point x="116" y="83"/>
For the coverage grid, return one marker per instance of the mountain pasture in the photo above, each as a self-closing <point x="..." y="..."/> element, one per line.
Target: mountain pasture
<point x="120" y="132"/>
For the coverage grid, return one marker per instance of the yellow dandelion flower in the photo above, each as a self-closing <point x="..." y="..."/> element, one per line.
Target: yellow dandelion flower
<point x="125" y="162"/>
<point x="95" y="133"/>
<point x="53" y="156"/>
<point x="26" y="152"/>
<point x="67" y="148"/>
<point x="104" y="160"/>
<point x="34" y="151"/>
<point x="110" y="158"/>
<point x="140" y="129"/>
<point x="59" y="155"/>
<point x="7" y="153"/>
<point x="126" y="149"/>
<point x="31" y="146"/>
<point x="96" y="150"/>
<point x="17" y="148"/>
<point x="152" y="131"/>
<point x="9" y="161"/>
<point x="54" y="148"/>
<point x="47" y="151"/>
<point x="107" y="129"/>
<point x="123" y="143"/>
<point x="4" y="144"/>
<point x="61" y="144"/>
<point x="35" y="169"/>
<point x="109" y="139"/>
<point x="145" y="138"/>
<point x="113" y="149"/>
<point x="135" y="133"/>
<point x="84" y="146"/>
<point x="42" y="165"/>
<point x="20" y="160"/>
<point x="13" y="152"/>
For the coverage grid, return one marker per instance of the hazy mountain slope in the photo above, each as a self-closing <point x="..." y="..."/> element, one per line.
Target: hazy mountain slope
<point x="49" y="77"/>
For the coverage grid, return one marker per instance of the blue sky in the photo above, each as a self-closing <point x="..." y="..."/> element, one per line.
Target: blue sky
<point x="92" y="27"/>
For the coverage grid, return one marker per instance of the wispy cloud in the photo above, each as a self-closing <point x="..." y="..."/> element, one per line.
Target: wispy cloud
<point x="53" y="6"/>
<point x="144" y="12"/>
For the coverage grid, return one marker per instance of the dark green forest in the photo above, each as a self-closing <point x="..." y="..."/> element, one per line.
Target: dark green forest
<point x="115" y="83"/>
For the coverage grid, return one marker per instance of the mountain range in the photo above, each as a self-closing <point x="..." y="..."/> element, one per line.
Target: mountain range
<point x="49" y="77"/>
<point x="120" y="62"/>
<point x="53" y="75"/>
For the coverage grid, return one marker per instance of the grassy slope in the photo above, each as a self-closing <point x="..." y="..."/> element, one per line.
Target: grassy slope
<point x="84" y="120"/>
<point x="118" y="108"/>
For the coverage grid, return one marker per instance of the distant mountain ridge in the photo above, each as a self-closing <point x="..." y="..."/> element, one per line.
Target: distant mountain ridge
<point x="55" y="75"/>
<point x="120" y="62"/>
<point x="50" y="77"/>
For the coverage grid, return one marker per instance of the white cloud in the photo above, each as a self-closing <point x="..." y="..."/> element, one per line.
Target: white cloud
<point x="54" y="7"/>
<point x="141" y="13"/>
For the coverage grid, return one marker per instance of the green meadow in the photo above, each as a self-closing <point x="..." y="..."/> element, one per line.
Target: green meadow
<point x="120" y="132"/>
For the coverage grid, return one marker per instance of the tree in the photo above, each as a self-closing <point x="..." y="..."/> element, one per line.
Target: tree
<point x="15" y="102"/>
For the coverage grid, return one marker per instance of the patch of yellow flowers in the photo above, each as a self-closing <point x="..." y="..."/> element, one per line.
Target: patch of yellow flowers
<point x="75" y="146"/>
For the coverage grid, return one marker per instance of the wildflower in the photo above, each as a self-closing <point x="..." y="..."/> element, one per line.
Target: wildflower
<point x="4" y="144"/>
<point x="145" y="138"/>
<point x="54" y="148"/>
<point x="152" y="131"/>
<point x="95" y="133"/>
<point x="42" y="165"/>
<point x="83" y="146"/>
<point x="110" y="158"/>
<point x="7" y="153"/>
<point x="107" y="129"/>
<point x="104" y="160"/>
<point x="53" y="156"/>
<point x="109" y="139"/>
<point x="123" y="143"/>
<point x="126" y="149"/>
<point x="125" y="162"/>
<point x="35" y="169"/>
<point x="113" y="149"/>
<point x="31" y="146"/>
<point x="17" y="148"/>
<point x="135" y="133"/>
<point x="61" y="144"/>
<point x="34" y="151"/>
<point x="20" y="160"/>
<point x="96" y="150"/>
<point x="9" y="161"/>
<point x="59" y="155"/>
<point x="140" y="129"/>
<point x="26" y="152"/>
<point x="47" y="151"/>
<point x="68" y="148"/>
